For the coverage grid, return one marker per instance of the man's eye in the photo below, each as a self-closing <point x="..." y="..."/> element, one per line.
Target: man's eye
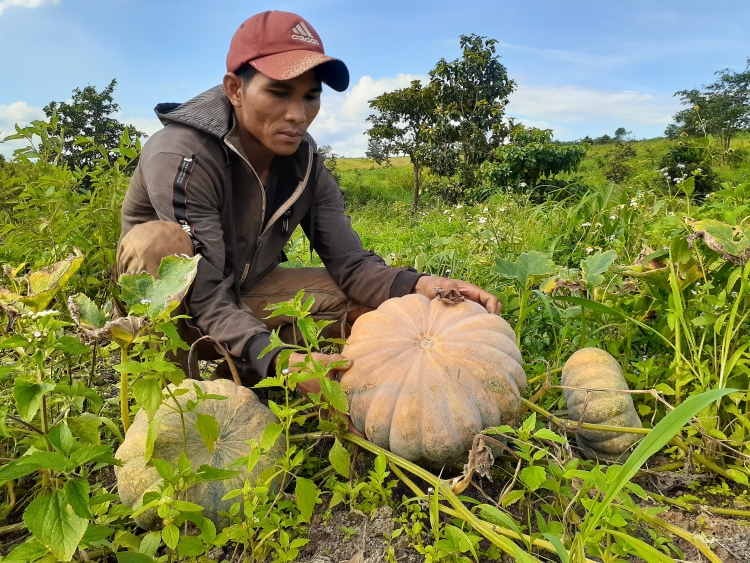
<point x="279" y="93"/>
<point x="313" y="97"/>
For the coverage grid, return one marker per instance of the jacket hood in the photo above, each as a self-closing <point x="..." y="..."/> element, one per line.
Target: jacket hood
<point x="210" y="111"/>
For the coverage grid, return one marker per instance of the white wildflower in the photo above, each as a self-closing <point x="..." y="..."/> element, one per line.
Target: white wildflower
<point x="484" y="210"/>
<point x="459" y="206"/>
<point x="522" y="184"/>
<point x="589" y="250"/>
<point x="680" y="166"/>
<point x="612" y="217"/>
<point x="145" y="301"/>
<point x="482" y="220"/>
<point x="37" y="334"/>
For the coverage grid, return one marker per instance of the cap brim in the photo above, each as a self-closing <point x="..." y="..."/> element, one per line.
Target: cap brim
<point x="291" y="64"/>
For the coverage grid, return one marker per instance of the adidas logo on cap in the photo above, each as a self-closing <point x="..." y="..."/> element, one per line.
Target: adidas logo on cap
<point x="301" y="33"/>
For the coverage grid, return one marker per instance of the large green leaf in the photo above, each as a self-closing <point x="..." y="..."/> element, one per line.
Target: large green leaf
<point x="55" y="524"/>
<point x="732" y="242"/>
<point x="527" y="267"/>
<point x="594" y="266"/>
<point x="162" y="294"/>
<point x="306" y="493"/>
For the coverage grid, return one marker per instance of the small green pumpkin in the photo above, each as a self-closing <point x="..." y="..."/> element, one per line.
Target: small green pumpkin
<point x="591" y="368"/>
<point x="240" y="417"/>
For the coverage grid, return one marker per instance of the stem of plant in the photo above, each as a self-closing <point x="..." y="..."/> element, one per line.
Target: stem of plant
<point x="124" y="392"/>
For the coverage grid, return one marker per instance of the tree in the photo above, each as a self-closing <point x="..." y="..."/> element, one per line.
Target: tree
<point x="721" y="109"/>
<point x="673" y="131"/>
<point x="472" y="93"/>
<point x="621" y="133"/>
<point x="402" y="125"/>
<point x="88" y="115"/>
<point x="528" y="156"/>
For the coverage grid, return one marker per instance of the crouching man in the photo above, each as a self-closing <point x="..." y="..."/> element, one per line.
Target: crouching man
<point x="231" y="175"/>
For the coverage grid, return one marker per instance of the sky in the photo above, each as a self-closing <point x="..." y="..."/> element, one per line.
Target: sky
<point x="582" y="67"/>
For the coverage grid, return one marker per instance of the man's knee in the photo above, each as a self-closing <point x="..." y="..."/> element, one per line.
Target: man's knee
<point x="142" y="249"/>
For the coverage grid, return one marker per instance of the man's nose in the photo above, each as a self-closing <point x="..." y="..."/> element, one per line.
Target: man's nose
<point x="296" y="113"/>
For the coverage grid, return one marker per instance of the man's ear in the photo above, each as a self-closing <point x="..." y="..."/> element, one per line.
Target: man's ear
<point x="233" y="88"/>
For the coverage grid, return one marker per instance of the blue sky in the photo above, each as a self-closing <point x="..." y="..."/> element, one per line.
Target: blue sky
<point x="582" y="67"/>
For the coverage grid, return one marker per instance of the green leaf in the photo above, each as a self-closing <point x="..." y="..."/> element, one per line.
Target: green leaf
<point x="340" y="459"/>
<point x="88" y="454"/>
<point x="533" y="476"/>
<point x="593" y="266"/>
<point x="31" y="550"/>
<point x="513" y="497"/>
<point x="77" y="494"/>
<point x="527" y="267"/>
<point x="497" y="516"/>
<point x="54" y="523"/>
<point x="61" y="437"/>
<point x="96" y="533"/>
<point x="71" y="345"/>
<point x="190" y="546"/>
<point x="15" y="341"/>
<point x="270" y="434"/>
<point x="148" y="394"/>
<point x="334" y="395"/>
<point x="44" y="284"/>
<point x="171" y="535"/>
<point x="86" y="428"/>
<point x="662" y="433"/>
<point x="151" y="434"/>
<point x="688" y="185"/>
<point x="208" y="473"/>
<point x="547" y="434"/>
<point x="150" y="543"/>
<point x="562" y="553"/>
<point x="185" y="506"/>
<point x="85" y="313"/>
<point x="163" y="468"/>
<point x="28" y="394"/>
<point x="164" y="294"/>
<point x="306" y="495"/>
<point x="208" y="428"/>
<point x="647" y="552"/>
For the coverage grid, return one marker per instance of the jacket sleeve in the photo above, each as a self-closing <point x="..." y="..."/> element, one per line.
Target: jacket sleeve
<point x="195" y="203"/>
<point x="362" y="275"/>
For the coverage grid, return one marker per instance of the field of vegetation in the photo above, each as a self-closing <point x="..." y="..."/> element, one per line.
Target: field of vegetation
<point x="638" y="248"/>
<point x="640" y="267"/>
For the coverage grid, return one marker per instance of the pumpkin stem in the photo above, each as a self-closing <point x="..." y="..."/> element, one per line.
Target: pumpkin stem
<point x="450" y="296"/>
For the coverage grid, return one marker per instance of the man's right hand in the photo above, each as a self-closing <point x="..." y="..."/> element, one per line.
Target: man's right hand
<point x="312" y="386"/>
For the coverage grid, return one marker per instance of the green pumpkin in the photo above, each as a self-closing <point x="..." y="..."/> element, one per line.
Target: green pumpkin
<point x="591" y="368"/>
<point x="240" y="416"/>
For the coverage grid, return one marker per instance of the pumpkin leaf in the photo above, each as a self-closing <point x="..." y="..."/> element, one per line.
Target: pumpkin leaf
<point x="54" y="523"/>
<point x="306" y="494"/>
<point x="85" y="313"/>
<point x="208" y="428"/>
<point x="44" y="284"/>
<point x="527" y="267"/>
<point x="594" y="266"/>
<point x="340" y="459"/>
<point x="162" y="294"/>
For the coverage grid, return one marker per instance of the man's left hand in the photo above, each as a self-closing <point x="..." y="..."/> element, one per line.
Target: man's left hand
<point x="426" y="285"/>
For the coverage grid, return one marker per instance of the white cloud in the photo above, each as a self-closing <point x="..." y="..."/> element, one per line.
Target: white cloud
<point x="342" y="120"/>
<point x="584" y="107"/>
<point x="19" y="113"/>
<point x="25" y="4"/>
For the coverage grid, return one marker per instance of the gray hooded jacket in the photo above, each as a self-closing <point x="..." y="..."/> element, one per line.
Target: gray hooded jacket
<point x="195" y="173"/>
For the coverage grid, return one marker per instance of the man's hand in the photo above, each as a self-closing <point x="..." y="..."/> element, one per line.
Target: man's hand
<point x="426" y="284"/>
<point x="313" y="385"/>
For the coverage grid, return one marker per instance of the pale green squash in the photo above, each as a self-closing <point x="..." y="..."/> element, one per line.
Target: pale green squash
<point x="240" y="417"/>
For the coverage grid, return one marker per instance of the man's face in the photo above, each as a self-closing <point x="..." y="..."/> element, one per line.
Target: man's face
<point x="277" y="113"/>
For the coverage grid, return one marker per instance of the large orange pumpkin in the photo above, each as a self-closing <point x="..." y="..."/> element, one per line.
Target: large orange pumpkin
<point x="429" y="375"/>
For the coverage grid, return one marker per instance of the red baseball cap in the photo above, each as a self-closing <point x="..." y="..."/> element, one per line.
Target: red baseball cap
<point x="283" y="46"/>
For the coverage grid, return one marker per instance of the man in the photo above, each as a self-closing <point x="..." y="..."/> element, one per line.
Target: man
<point x="232" y="174"/>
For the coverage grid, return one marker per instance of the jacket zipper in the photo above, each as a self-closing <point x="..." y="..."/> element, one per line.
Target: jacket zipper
<point x="286" y="205"/>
